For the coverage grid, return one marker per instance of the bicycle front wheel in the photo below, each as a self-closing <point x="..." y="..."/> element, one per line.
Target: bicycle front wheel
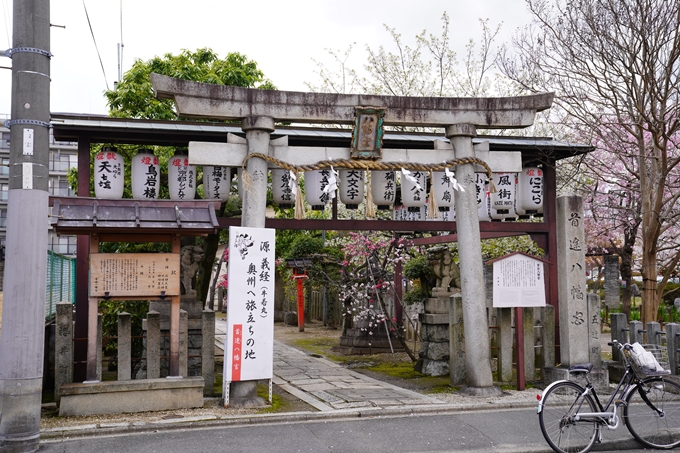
<point x="563" y="433"/>
<point x="656" y="421"/>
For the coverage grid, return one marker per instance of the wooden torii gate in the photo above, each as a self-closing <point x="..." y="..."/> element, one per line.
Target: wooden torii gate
<point x="259" y="110"/>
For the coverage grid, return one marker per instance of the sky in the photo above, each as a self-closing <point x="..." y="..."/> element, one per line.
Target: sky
<point x="281" y="36"/>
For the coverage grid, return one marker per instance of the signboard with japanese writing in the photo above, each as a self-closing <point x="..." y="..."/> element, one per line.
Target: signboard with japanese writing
<point x="518" y="281"/>
<point x="134" y="274"/>
<point x="249" y="349"/>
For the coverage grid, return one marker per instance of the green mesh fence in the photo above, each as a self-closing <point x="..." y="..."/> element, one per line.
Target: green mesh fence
<point x="61" y="281"/>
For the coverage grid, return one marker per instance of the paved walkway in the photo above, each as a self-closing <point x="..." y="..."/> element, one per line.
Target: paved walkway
<point x="328" y="386"/>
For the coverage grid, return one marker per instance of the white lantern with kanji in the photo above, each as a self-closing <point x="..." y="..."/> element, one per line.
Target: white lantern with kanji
<point x="483" y="210"/>
<point x="443" y="189"/>
<point x="414" y="193"/>
<point x="351" y="187"/>
<point x="481" y="189"/>
<point x="316" y="182"/>
<point x="109" y="174"/>
<point x="145" y="176"/>
<point x="503" y="200"/>
<point x="530" y="191"/>
<point x="283" y="189"/>
<point x="383" y="188"/>
<point x="181" y="178"/>
<point x="216" y="182"/>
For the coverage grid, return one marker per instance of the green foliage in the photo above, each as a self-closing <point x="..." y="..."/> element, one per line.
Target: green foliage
<point x="110" y="309"/>
<point x="494" y="248"/>
<point x="417" y="269"/>
<point x="414" y="295"/>
<point x="133" y="97"/>
<point x="304" y="246"/>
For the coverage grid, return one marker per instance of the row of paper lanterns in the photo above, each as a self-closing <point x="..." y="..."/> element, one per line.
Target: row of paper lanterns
<point x="517" y="193"/>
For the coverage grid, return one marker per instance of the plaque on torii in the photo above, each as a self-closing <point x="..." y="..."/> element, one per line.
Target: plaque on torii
<point x="259" y="110"/>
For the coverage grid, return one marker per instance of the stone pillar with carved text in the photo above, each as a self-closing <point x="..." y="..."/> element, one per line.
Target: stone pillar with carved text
<point x="477" y="352"/>
<point x="571" y="268"/>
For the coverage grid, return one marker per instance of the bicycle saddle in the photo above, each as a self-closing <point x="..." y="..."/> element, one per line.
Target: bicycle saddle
<point x="581" y="368"/>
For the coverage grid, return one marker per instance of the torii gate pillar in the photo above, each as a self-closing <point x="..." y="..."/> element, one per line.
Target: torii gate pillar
<point x="480" y="379"/>
<point x="257" y="129"/>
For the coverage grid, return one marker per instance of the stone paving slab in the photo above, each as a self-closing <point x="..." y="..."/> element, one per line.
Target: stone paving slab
<point x="327" y="385"/>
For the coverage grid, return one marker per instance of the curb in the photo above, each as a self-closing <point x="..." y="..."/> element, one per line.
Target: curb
<point x="210" y="421"/>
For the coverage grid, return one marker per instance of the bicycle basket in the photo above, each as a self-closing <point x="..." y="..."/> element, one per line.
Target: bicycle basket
<point x="650" y="359"/>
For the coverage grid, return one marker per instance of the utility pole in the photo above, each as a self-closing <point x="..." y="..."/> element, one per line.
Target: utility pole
<point x="23" y="329"/>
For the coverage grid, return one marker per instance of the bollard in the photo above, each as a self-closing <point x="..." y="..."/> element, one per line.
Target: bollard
<point x="672" y="344"/>
<point x="124" y="346"/>
<point x="636" y="332"/>
<point x="208" y="352"/>
<point x="153" y="345"/>
<point x="619" y="333"/>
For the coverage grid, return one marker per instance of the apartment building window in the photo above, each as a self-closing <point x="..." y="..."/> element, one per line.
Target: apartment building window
<point x="3" y="218"/>
<point x="59" y="187"/>
<point x="64" y="245"/>
<point x="4" y="191"/>
<point x="61" y="162"/>
<point x="4" y="167"/>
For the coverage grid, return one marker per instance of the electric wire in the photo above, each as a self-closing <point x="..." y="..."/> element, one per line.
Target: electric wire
<point x="95" y="45"/>
<point x="120" y="63"/>
<point x="8" y="22"/>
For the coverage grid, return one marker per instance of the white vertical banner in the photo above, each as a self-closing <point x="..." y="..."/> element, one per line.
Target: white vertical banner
<point x="249" y="346"/>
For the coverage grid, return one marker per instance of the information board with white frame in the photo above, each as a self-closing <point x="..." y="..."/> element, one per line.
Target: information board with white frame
<point x="518" y="281"/>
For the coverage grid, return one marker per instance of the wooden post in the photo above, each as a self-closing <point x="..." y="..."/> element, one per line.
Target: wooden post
<point x="173" y="368"/>
<point x="519" y="341"/>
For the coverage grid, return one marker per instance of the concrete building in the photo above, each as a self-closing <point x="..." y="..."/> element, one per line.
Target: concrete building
<point x="63" y="156"/>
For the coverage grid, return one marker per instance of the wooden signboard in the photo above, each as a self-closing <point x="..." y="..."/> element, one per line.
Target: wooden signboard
<point x="134" y="274"/>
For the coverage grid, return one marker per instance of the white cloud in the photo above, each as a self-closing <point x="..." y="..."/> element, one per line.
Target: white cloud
<point x="282" y="36"/>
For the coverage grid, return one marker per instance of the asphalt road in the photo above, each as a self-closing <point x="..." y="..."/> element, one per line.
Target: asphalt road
<point x="487" y="431"/>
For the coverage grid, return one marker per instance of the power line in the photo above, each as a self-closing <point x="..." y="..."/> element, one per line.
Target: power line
<point x="8" y="23"/>
<point x="95" y="46"/>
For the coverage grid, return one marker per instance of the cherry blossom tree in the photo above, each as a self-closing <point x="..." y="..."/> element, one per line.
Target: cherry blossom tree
<point x="615" y="68"/>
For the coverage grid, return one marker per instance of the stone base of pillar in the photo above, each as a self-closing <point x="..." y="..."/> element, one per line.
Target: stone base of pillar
<point x="244" y="395"/>
<point x="20" y="415"/>
<point x="481" y="391"/>
<point x="615" y="370"/>
<point x="598" y="377"/>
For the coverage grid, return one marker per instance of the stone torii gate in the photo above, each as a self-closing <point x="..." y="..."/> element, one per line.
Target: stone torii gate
<point x="259" y="110"/>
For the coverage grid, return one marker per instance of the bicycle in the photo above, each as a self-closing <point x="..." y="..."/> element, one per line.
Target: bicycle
<point x="572" y="417"/>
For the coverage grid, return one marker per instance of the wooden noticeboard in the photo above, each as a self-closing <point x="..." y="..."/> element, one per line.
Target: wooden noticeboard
<point x="134" y="274"/>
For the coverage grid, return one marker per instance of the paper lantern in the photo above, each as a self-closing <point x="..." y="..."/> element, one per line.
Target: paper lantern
<point x="383" y="188"/>
<point x="481" y="188"/>
<point x="145" y="176"/>
<point x="530" y="191"/>
<point x="282" y="189"/>
<point x="109" y="174"/>
<point x="351" y="187"/>
<point x="239" y="183"/>
<point x="181" y="178"/>
<point x="216" y="182"/>
<point x="316" y="182"/>
<point x="443" y="190"/>
<point x="413" y="195"/>
<point x="503" y="200"/>
<point x="483" y="210"/>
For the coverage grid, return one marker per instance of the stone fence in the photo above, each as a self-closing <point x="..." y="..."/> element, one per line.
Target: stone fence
<point x="153" y="341"/>
<point x="443" y="340"/>
<point x="667" y="337"/>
